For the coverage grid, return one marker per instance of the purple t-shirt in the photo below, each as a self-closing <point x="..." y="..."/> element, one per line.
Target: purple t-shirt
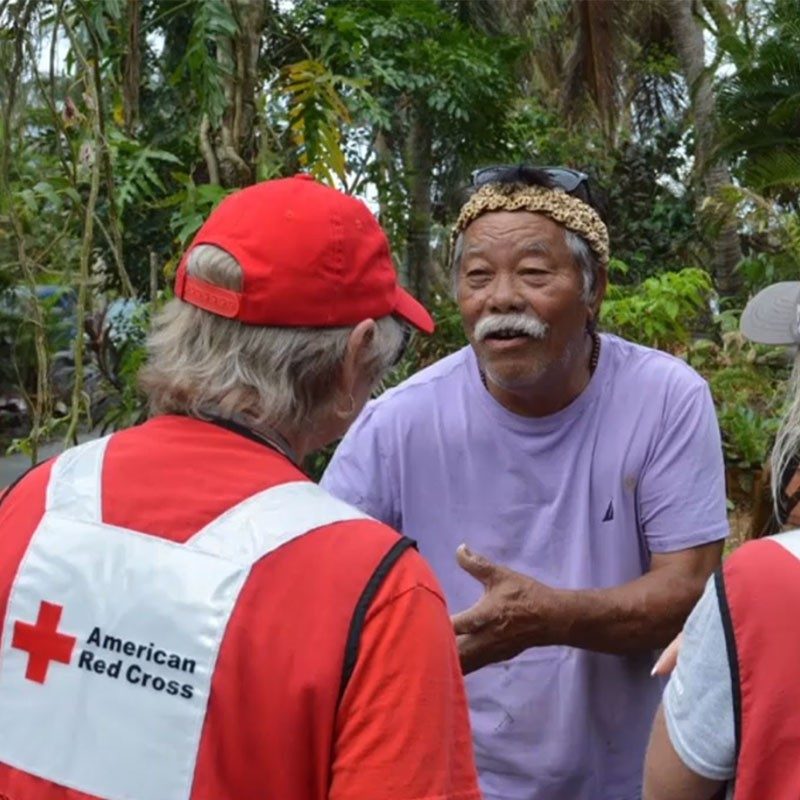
<point x="578" y="499"/>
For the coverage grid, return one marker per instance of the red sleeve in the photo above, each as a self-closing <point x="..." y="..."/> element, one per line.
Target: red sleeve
<point x="21" y="510"/>
<point x="403" y="727"/>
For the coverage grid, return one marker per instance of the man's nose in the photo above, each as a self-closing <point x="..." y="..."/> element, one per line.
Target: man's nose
<point x="505" y="296"/>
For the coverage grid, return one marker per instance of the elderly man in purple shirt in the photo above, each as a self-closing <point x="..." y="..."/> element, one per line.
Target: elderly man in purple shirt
<point x="582" y="472"/>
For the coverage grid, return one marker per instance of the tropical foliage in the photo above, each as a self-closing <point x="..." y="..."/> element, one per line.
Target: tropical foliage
<point x="122" y="124"/>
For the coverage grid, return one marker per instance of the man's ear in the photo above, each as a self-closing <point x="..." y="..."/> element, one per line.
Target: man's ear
<point x="356" y="355"/>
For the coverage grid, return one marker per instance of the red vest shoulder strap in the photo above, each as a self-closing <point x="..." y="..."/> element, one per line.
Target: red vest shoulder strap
<point x="371" y="589"/>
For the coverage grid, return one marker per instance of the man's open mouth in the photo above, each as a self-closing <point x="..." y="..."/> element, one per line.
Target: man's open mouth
<point x="504" y="335"/>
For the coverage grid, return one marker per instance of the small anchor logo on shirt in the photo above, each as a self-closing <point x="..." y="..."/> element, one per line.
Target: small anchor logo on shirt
<point x="609" y="512"/>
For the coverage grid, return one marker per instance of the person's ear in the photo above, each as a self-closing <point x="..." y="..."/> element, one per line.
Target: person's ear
<point x="600" y="289"/>
<point x="357" y="355"/>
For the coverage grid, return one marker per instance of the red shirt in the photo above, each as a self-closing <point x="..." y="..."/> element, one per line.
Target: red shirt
<point x="400" y="730"/>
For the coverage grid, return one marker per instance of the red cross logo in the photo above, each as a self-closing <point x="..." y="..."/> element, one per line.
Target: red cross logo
<point x="42" y="641"/>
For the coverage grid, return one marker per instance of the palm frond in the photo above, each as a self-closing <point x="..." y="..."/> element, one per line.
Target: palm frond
<point x="774" y="170"/>
<point x="594" y="66"/>
<point x="760" y="103"/>
<point x="316" y="115"/>
<point x="657" y="90"/>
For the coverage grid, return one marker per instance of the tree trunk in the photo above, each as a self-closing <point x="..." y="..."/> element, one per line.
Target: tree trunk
<point x="688" y="35"/>
<point x="383" y="161"/>
<point x="236" y="149"/>
<point x="419" y="165"/>
<point x="131" y="68"/>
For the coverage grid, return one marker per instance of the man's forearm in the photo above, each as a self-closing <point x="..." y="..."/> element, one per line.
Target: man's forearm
<point x="517" y="612"/>
<point x="645" y="614"/>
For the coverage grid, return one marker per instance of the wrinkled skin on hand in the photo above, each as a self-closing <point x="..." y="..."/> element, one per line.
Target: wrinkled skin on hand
<point x="513" y="614"/>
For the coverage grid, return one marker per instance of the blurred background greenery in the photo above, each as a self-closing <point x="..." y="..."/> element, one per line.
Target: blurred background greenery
<point x="122" y="124"/>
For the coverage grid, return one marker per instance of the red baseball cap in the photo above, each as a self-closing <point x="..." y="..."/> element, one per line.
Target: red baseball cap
<point x="311" y="257"/>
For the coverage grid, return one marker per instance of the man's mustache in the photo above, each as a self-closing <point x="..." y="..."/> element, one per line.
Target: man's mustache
<point x="519" y="324"/>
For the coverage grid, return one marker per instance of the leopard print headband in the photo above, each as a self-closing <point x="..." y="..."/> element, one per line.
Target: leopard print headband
<point x="561" y="207"/>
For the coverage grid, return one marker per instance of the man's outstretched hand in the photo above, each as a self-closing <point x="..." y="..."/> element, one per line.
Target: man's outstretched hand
<point x="513" y="614"/>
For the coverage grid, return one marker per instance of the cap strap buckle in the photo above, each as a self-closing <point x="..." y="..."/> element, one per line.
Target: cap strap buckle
<point x="223" y="302"/>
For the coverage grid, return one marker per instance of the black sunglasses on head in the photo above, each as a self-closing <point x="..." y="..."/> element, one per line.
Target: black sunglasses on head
<point x="563" y="177"/>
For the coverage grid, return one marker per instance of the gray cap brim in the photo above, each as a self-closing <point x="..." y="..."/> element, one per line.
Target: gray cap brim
<point x="772" y="316"/>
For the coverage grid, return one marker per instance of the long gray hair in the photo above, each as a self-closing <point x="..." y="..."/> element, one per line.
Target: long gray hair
<point x="787" y="442"/>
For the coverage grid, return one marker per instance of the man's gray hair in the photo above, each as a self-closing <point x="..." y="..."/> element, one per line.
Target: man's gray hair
<point x="587" y="262"/>
<point x="583" y="254"/>
<point x="201" y="364"/>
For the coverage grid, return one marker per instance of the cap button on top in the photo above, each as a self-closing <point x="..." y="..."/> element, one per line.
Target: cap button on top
<point x="304" y="176"/>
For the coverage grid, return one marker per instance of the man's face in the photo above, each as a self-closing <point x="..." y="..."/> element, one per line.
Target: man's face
<point x="518" y="263"/>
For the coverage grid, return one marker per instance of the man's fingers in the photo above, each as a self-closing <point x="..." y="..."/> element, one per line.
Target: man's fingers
<point x="477" y="566"/>
<point x="470" y="621"/>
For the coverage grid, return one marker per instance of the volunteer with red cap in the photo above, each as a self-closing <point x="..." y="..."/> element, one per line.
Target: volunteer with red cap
<point x="184" y="614"/>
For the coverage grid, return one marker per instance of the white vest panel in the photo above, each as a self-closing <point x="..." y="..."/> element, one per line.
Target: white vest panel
<point x="111" y="636"/>
<point x="789" y="541"/>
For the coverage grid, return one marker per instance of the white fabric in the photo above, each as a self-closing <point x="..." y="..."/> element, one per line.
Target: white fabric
<point x="790" y="541"/>
<point x="271" y="518"/>
<point x="698" y="700"/>
<point x="72" y="490"/>
<point x="95" y="724"/>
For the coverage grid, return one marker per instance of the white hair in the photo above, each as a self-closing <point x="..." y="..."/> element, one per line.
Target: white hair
<point x="587" y="262"/>
<point x="787" y="441"/>
<point x="584" y="256"/>
<point x="201" y="364"/>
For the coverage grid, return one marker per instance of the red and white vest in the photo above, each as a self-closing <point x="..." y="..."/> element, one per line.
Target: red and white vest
<point x="759" y="595"/>
<point x="138" y="668"/>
